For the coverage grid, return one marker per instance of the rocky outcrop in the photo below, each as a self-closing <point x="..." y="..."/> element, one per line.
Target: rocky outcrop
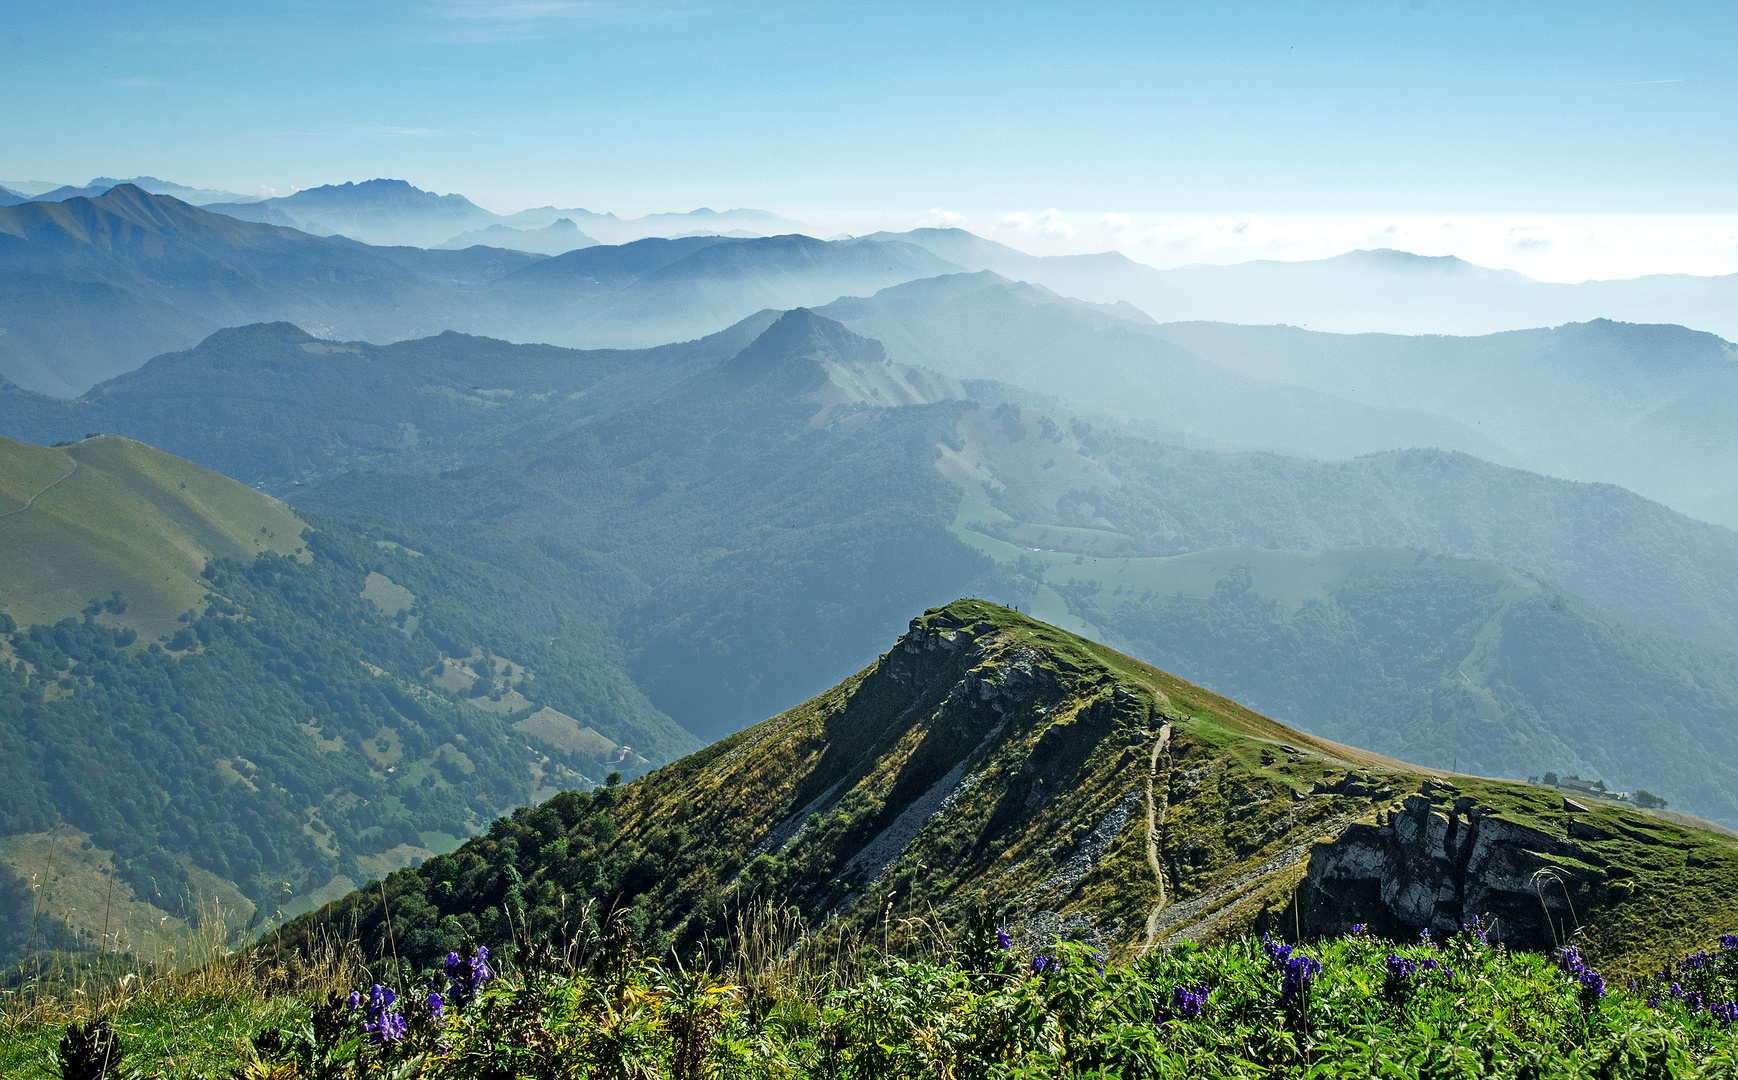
<point x="1438" y="861"/>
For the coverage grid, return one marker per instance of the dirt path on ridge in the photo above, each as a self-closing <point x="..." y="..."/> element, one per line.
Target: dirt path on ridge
<point x="40" y="494"/>
<point x="1154" y="820"/>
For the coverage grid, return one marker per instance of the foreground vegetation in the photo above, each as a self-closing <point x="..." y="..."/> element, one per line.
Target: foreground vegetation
<point x="1354" y="1006"/>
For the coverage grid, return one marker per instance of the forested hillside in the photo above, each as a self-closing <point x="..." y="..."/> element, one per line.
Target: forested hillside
<point x="299" y="711"/>
<point x="275" y="407"/>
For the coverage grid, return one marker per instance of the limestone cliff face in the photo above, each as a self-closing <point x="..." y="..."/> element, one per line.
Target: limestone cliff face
<point x="1439" y="860"/>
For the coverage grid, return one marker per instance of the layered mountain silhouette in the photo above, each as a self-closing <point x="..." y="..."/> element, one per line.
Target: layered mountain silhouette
<point x="395" y="213"/>
<point x="1110" y="360"/>
<point x="1642" y="406"/>
<point x="799" y="492"/>
<point x="388" y="213"/>
<point x="178" y="272"/>
<point x="102" y="184"/>
<point x="94" y="287"/>
<point x="558" y="236"/>
<point x="1380" y="291"/>
<point x="279" y="408"/>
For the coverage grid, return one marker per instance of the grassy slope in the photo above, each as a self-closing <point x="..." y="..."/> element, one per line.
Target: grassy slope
<point x="123" y="516"/>
<point x="1042" y="743"/>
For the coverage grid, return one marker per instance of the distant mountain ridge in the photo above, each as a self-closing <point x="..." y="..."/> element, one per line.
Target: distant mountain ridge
<point x="101" y="184"/>
<point x="558" y="236"/>
<point x="1381" y="291"/>
<point x="395" y="213"/>
<point x="91" y="288"/>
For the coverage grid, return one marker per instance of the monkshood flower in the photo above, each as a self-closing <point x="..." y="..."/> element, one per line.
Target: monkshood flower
<point x="436" y="1006"/>
<point x="1296" y="973"/>
<point x="1296" y="977"/>
<point x="1042" y="964"/>
<point x="1277" y="951"/>
<point x="1725" y="1013"/>
<point x="353" y="1000"/>
<point x="1569" y="962"/>
<point x="1729" y="942"/>
<point x="1359" y="928"/>
<point x="1097" y="962"/>
<point x="383" y="1026"/>
<point x="1399" y="967"/>
<point x="1188" y="1001"/>
<point x="1003" y="941"/>
<point x="467" y="976"/>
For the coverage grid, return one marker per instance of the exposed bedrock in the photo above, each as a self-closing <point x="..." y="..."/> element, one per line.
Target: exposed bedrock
<point x="1438" y="862"/>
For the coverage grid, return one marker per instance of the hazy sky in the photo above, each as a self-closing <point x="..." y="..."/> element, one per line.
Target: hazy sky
<point x="1352" y="116"/>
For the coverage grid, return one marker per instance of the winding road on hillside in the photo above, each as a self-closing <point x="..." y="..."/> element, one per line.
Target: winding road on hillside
<point x="40" y="494"/>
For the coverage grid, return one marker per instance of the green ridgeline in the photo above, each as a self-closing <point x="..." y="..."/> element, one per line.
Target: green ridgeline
<point x="991" y="762"/>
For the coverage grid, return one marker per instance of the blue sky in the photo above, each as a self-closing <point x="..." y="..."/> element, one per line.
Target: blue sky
<point x="1401" y="107"/>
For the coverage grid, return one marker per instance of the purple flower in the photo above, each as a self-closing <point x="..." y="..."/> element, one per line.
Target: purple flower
<point x="1359" y="928"/>
<point x="390" y="1029"/>
<point x="1569" y="962"/>
<point x="467" y="976"/>
<point x="1729" y="942"/>
<point x="1296" y="973"/>
<point x="1003" y="941"/>
<point x="353" y="1000"/>
<point x="383" y="1025"/>
<point x="1401" y="970"/>
<point x="1188" y="1001"/>
<point x="436" y="1006"/>
<point x="1295" y="979"/>
<point x="1097" y="962"/>
<point x="1277" y="951"/>
<point x="1042" y="964"/>
<point x="1725" y="1013"/>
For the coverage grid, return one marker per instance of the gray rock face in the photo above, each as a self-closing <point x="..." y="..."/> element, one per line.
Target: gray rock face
<point x="1438" y="863"/>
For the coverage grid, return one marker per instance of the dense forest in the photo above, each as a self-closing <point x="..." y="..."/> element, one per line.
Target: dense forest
<point x="292" y="727"/>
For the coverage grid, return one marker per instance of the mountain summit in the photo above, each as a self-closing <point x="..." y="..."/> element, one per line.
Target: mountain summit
<point x="988" y="761"/>
<point x="799" y="335"/>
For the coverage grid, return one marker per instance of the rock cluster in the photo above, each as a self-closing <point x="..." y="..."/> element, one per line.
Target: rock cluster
<point x="1438" y="862"/>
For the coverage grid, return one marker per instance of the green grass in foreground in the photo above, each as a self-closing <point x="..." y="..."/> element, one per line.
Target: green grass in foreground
<point x="1354" y="1007"/>
<point x="197" y="1035"/>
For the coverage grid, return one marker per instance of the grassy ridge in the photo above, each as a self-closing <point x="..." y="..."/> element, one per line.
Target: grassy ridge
<point x="989" y="761"/>
<point x="113" y="515"/>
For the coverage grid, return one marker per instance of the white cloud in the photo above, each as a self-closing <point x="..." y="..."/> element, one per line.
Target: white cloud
<point x="1050" y="223"/>
<point x="937" y="218"/>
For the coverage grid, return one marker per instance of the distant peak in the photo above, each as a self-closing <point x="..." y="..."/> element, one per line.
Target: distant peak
<point x="800" y="334"/>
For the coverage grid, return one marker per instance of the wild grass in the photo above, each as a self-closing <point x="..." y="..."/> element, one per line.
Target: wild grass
<point x="786" y="1000"/>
